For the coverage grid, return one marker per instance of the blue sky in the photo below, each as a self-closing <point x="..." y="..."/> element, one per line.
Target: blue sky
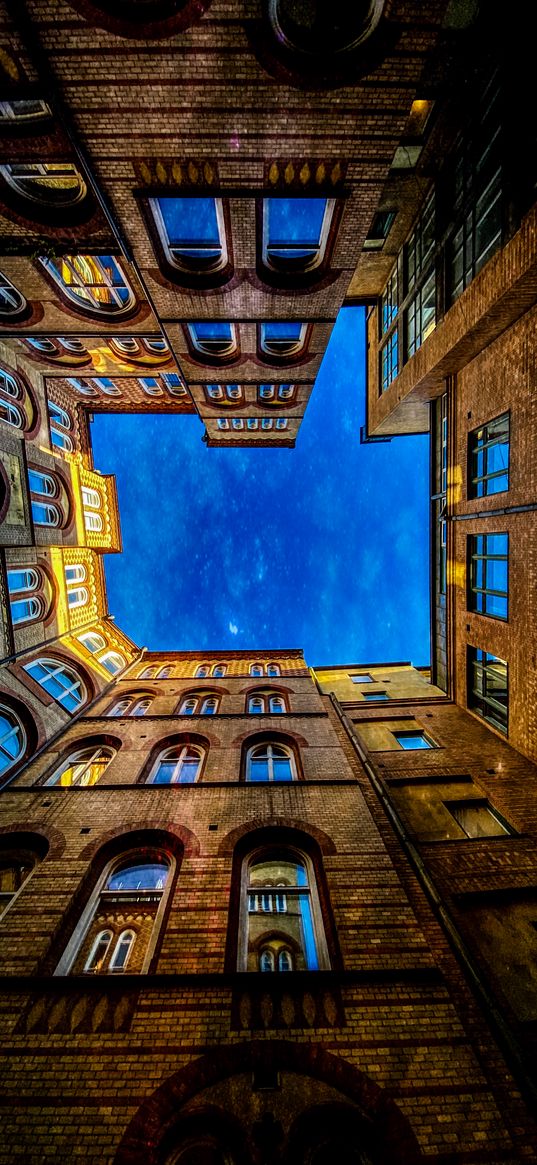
<point x="323" y="547"/>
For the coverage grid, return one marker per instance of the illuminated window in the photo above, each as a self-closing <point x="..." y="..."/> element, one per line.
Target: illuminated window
<point x="213" y="339"/>
<point x="192" y="233"/>
<point x="413" y="740"/>
<point x="270" y="762"/>
<point x="77" y="597"/>
<point x="60" y="681"/>
<point x="84" y="767"/>
<point x="295" y="233"/>
<point x="488" y="458"/>
<point x="488" y="691"/>
<point x="12" y="739"/>
<point x="54" y="184"/>
<point x="92" y="283"/>
<point x="92" y="502"/>
<point x="180" y="764"/>
<point x="281" y="923"/>
<point x="12" y="302"/>
<point x="282" y="340"/>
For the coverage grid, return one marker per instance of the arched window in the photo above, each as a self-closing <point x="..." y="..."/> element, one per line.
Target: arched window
<point x="92" y="641"/>
<point x="173" y="384"/>
<point x="202" y="671"/>
<point x="276" y="704"/>
<point x="256" y="669"/>
<point x="192" y="234"/>
<point x="92" y="283"/>
<point x="131" y="704"/>
<point x="295" y="234"/>
<point x="27" y="595"/>
<point x="147" y="673"/>
<point x="75" y="573"/>
<point x="44" y="485"/>
<point x="58" y="185"/>
<point x="12" y="739"/>
<point x="10" y="392"/>
<point x="83" y="387"/>
<point x="209" y="706"/>
<point x="213" y="340"/>
<point x="15" y="870"/>
<point x="92" y="502"/>
<point x="106" y="385"/>
<point x="273" y="669"/>
<point x="150" y="385"/>
<point x="12" y="302"/>
<point x="131" y="888"/>
<point x="165" y="672"/>
<point x="270" y="762"/>
<point x="189" y="706"/>
<point x="59" y="680"/>
<point x="256" y="705"/>
<point x="93" y="522"/>
<point x="281" y="925"/>
<point x="60" y="424"/>
<point x="219" y="669"/>
<point x="113" y="662"/>
<point x="77" y="597"/>
<point x="281" y="341"/>
<point x="11" y="414"/>
<point x="231" y="394"/>
<point x="180" y="764"/>
<point x="84" y="767"/>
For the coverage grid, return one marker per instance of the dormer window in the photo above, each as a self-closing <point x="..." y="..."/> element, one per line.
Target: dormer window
<point x="52" y="184"/>
<point x="192" y="235"/>
<point x="282" y="341"/>
<point x="213" y="340"/>
<point x="93" y="284"/>
<point x="295" y="233"/>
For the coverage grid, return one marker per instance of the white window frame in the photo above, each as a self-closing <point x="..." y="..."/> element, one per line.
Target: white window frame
<point x="81" y="292"/>
<point x="269" y="745"/>
<point x="291" y="854"/>
<point x="179" y="762"/>
<point x="85" y="757"/>
<point x="54" y="668"/>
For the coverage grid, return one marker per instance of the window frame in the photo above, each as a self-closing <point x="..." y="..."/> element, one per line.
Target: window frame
<point x="479" y="663"/>
<point x="88" y="303"/>
<point x="477" y="446"/>
<point x="59" y="666"/>
<point x="184" y="747"/>
<point x="88" y="756"/>
<point x="77" y="938"/>
<point x="173" y="257"/>
<point x="19" y="729"/>
<point x="278" y="270"/>
<point x="268" y="745"/>
<point x="288" y="852"/>
<point x="473" y="557"/>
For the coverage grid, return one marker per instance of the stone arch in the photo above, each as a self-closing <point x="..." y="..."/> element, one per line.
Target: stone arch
<point x="149" y="1130"/>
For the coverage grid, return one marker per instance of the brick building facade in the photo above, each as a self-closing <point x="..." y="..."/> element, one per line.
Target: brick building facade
<point x="188" y="194"/>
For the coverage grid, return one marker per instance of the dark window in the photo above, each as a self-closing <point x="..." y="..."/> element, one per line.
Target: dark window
<point x="488" y="687"/>
<point x="379" y="230"/>
<point x="476" y="818"/>
<point x="476" y="195"/>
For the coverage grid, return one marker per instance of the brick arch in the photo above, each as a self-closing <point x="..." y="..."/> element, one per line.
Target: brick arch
<point x="164" y="740"/>
<point x="153" y="831"/>
<point x="45" y="837"/>
<point x="280" y="736"/>
<point x="249" y="828"/>
<point x="143" y="1138"/>
<point x="268" y="686"/>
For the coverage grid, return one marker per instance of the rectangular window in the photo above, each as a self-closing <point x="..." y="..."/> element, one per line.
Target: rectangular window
<point x="488" y="458"/>
<point x="477" y="195"/>
<point x="379" y="230"/>
<point x="420" y="315"/>
<point x="476" y="818"/>
<point x="420" y="246"/>
<point x="375" y="697"/>
<point x="488" y="556"/>
<point x="389" y="360"/>
<point x="390" y="301"/>
<point x="361" y="678"/>
<point x="488" y="687"/>
<point x="413" y="740"/>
